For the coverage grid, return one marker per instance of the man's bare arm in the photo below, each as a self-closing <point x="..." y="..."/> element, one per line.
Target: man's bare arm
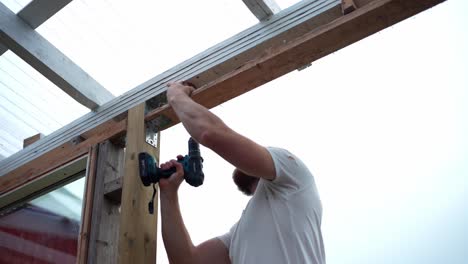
<point x="210" y="131"/>
<point x="177" y="241"/>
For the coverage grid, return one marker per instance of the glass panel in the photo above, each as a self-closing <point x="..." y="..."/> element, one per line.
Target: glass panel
<point x="123" y="43"/>
<point x="44" y="230"/>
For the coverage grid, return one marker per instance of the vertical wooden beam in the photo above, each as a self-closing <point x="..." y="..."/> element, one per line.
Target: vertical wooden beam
<point x="104" y="235"/>
<point x="28" y="141"/>
<point x="137" y="237"/>
<point x="86" y="212"/>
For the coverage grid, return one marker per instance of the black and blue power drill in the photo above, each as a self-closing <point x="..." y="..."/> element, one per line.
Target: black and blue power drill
<point x="150" y="173"/>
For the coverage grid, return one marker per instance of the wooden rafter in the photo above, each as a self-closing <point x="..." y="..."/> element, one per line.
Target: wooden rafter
<point x="273" y="61"/>
<point x="37" y="12"/>
<point x="19" y="37"/>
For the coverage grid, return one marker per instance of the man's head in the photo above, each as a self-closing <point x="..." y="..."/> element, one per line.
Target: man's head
<point x="245" y="183"/>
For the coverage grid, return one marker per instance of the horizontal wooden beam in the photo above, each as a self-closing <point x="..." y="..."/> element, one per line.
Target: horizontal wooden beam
<point x="262" y="9"/>
<point x="37" y="12"/>
<point x="310" y="42"/>
<point x="20" y="38"/>
<point x="56" y="157"/>
<point x="67" y="172"/>
<point x="372" y="17"/>
<point x="200" y="70"/>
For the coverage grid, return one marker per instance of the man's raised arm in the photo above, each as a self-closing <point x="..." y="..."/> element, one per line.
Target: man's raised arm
<point x="210" y="131"/>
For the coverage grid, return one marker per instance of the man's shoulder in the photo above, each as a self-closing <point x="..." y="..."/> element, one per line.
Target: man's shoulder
<point x="282" y="155"/>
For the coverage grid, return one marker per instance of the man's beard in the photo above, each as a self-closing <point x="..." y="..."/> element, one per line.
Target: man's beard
<point x="244" y="182"/>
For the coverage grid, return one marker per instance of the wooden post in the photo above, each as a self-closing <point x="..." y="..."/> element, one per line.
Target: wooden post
<point x="116" y="224"/>
<point x="137" y="237"/>
<point x="104" y="235"/>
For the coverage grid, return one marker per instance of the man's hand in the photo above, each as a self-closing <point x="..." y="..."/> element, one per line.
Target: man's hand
<point x="179" y="88"/>
<point x="170" y="186"/>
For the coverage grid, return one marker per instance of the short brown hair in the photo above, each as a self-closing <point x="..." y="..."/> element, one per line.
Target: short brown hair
<point x="244" y="181"/>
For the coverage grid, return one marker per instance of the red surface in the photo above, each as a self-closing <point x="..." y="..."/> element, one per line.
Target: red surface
<point x="35" y="235"/>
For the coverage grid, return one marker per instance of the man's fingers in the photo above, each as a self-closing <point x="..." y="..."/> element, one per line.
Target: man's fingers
<point x="186" y="83"/>
<point x="183" y="83"/>
<point x="177" y="165"/>
<point x="166" y="165"/>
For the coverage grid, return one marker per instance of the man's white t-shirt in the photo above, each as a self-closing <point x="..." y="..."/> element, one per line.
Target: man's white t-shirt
<point x="281" y="223"/>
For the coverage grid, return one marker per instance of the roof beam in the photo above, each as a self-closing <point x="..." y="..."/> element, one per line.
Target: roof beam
<point x="3" y="49"/>
<point x="23" y="40"/>
<point x="262" y="9"/>
<point x="238" y="71"/>
<point x="37" y="12"/>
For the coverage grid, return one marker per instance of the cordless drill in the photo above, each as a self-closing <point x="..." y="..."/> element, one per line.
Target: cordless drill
<point x="192" y="164"/>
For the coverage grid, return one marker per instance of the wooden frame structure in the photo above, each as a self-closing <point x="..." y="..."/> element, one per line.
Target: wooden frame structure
<point x="286" y="41"/>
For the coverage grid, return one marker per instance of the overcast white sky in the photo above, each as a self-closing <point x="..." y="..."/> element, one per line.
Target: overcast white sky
<point x="382" y="124"/>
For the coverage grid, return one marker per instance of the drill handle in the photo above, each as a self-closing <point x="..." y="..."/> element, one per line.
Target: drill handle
<point x="167" y="173"/>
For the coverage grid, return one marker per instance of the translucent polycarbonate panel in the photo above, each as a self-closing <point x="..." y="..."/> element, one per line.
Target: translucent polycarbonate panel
<point x="123" y="43"/>
<point x="30" y="104"/>
<point x="15" y="5"/>
<point x="44" y="230"/>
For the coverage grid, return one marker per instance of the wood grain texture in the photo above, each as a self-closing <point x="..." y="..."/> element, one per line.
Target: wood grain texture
<point x="60" y="156"/>
<point x="372" y="17"/>
<point x="137" y="235"/>
<point x="30" y="140"/>
<point x="86" y="212"/>
<point x="105" y="216"/>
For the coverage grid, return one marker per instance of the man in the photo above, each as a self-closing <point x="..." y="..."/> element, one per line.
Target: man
<point x="281" y="223"/>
